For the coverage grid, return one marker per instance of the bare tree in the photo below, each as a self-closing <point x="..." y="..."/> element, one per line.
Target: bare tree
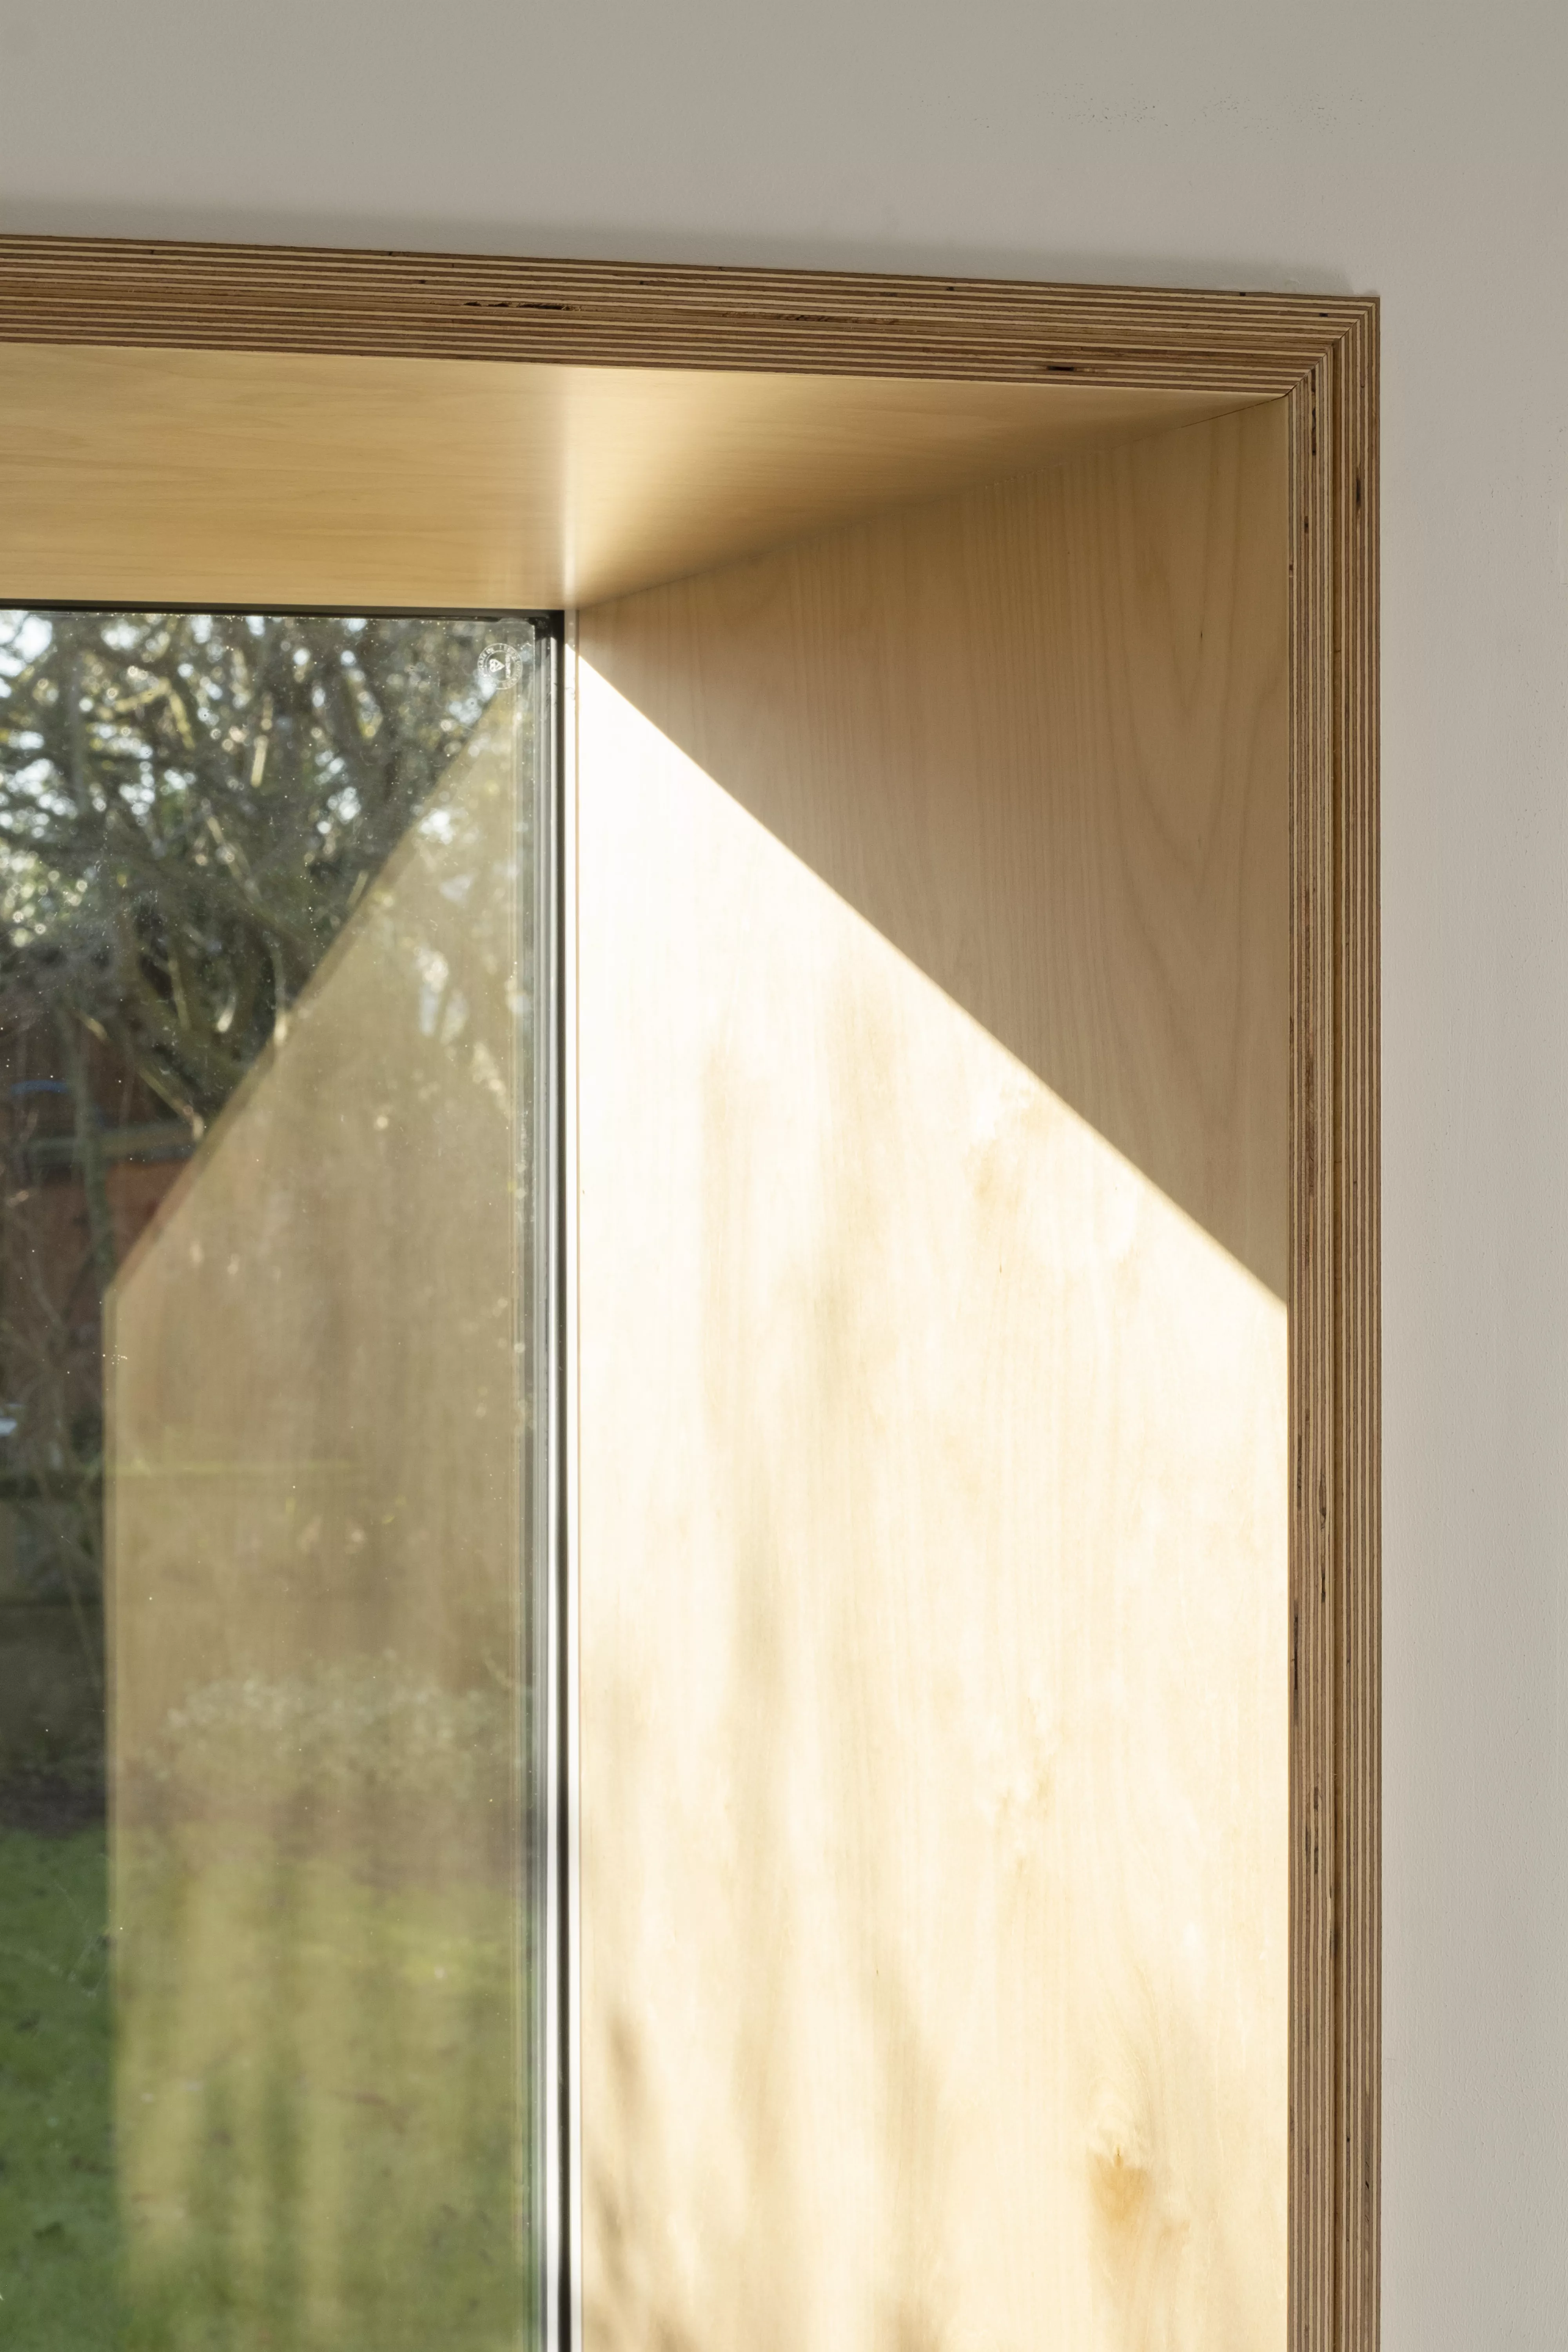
<point x="189" y="806"/>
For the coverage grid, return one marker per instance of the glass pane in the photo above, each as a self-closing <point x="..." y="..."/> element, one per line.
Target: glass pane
<point x="269" y="1265"/>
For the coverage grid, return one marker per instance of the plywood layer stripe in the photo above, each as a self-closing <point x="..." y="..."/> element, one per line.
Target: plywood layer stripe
<point x="236" y="298"/>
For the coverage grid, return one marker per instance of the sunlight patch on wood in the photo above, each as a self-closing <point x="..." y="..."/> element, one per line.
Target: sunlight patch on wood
<point x="933" y="1603"/>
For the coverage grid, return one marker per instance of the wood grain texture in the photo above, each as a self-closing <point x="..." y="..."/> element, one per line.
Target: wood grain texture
<point x="1037" y="737"/>
<point x="934" y="1644"/>
<point x="1335" y="1367"/>
<point x="620" y="314"/>
<point x="1314" y="2109"/>
<point x="1321" y="354"/>
<point x="1358" y="1487"/>
<point x="314" y="478"/>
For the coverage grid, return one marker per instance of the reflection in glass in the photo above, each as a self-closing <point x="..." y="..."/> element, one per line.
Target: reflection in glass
<point x="266" y="1030"/>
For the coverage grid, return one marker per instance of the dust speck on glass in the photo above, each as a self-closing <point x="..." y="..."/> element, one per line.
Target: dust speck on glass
<point x="272" y="1772"/>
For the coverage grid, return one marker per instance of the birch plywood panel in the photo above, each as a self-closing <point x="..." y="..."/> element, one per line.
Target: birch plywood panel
<point x="320" y="478"/>
<point x="934" y="1517"/>
<point x="1037" y="736"/>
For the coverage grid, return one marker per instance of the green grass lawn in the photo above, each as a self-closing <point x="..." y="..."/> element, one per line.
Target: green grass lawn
<point x="317" y="2090"/>
<point x="58" y="2232"/>
<point x="319" y="2082"/>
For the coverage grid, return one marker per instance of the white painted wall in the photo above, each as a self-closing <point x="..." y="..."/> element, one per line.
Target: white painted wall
<point x="1419" y="151"/>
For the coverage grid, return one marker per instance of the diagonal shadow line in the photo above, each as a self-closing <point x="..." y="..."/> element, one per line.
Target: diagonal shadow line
<point x="1035" y="735"/>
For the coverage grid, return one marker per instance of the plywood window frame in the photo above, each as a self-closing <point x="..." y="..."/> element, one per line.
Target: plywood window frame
<point x="1321" y="356"/>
